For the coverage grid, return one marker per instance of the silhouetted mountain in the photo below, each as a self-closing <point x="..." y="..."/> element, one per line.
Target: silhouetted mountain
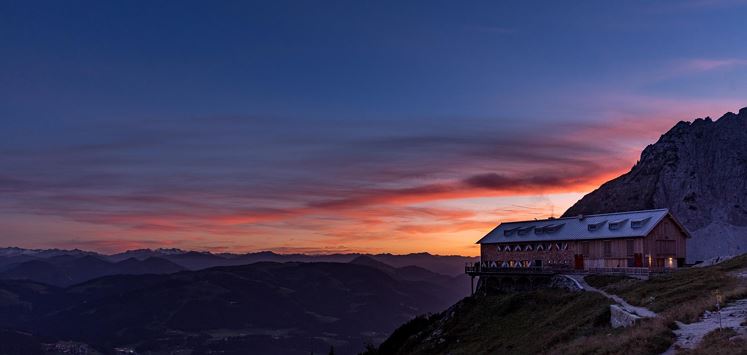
<point x="699" y="171"/>
<point x="64" y="270"/>
<point x="273" y="308"/>
<point x="371" y="262"/>
<point x="150" y="265"/>
<point x="416" y="273"/>
<point x="448" y="265"/>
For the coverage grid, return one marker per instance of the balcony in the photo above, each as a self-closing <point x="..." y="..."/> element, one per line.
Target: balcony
<point x="476" y="270"/>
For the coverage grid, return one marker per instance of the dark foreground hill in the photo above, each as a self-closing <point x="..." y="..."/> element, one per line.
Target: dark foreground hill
<point x="699" y="171"/>
<point x="270" y="308"/>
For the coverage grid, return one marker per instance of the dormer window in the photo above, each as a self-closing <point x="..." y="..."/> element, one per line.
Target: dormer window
<point x="509" y="232"/>
<point x="552" y="228"/>
<point x="593" y="227"/>
<point x="639" y="223"/>
<point x="615" y="225"/>
<point x="525" y="230"/>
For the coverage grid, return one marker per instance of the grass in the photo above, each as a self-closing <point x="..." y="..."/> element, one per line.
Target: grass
<point x="515" y="323"/>
<point x="683" y="295"/>
<point x="719" y="342"/>
<point x="650" y="336"/>
<point x="561" y="322"/>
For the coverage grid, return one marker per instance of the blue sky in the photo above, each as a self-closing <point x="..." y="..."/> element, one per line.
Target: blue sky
<point x="338" y="126"/>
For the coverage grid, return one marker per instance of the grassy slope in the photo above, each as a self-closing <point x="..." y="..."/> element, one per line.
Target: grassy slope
<point x="559" y="322"/>
<point x="719" y="342"/>
<point x="683" y="295"/>
<point x="518" y="323"/>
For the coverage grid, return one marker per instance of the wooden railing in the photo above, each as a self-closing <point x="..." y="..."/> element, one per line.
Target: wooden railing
<point x="476" y="268"/>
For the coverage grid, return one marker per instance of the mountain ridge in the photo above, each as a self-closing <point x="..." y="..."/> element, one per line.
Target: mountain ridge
<point x="698" y="170"/>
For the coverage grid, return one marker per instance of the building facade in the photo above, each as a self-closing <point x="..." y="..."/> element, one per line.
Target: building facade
<point x="651" y="239"/>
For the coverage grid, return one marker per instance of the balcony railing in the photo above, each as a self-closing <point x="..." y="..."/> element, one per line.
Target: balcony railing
<point x="476" y="268"/>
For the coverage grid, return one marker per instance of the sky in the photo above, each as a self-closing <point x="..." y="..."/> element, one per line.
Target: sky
<point x="338" y="126"/>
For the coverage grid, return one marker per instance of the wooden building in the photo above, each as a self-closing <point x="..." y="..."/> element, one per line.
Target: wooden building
<point x="651" y="239"/>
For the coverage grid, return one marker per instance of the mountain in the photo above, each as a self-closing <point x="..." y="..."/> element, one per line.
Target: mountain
<point x="271" y="308"/>
<point x="65" y="270"/>
<point x="456" y="284"/>
<point x="699" y="171"/>
<point x="194" y="260"/>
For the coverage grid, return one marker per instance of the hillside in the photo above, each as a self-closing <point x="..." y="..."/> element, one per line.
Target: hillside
<point x="699" y="171"/>
<point x="518" y="323"/>
<point x="272" y="308"/>
<point x="554" y="321"/>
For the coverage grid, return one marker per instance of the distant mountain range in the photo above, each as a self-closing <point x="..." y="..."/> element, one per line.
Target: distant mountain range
<point x="68" y="267"/>
<point x="699" y="171"/>
<point x="268" y="307"/>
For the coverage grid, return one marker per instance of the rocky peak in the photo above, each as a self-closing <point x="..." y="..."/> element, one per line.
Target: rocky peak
<point x="698" y="170"/>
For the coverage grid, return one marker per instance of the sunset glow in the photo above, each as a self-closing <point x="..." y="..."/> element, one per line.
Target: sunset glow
<point x="247" y="128"/>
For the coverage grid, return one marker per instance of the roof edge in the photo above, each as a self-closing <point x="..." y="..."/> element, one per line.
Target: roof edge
<point x="588" y="215"/>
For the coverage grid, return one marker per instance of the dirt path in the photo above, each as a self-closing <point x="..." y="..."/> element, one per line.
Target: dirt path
<point x="732" y="316"/>
<point x="689" y="335"/>
<point x="639" y="311"/>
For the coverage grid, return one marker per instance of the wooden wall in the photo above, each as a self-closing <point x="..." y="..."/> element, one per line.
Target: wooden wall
<point x="667" y="231"/>
<point x="665" y="240"/>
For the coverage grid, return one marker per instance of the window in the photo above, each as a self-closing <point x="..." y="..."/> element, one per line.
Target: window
<point x="607" y="248"/>
<point x="615" y="225"/>
<point x="630" y="246"/>
<point x="639" y="223"/>
<point x="596" y="226"/>
<point x="585" y="248"/>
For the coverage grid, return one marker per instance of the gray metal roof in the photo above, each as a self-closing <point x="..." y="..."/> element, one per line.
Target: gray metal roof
<point x="598" y="226"/>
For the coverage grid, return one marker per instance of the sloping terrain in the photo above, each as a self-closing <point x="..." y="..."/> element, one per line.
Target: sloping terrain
<point x="517" y="323"/>
<point x="554" y="321"/>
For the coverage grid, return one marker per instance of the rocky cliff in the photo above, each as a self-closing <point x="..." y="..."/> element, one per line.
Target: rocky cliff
<point x="699" y="171"/>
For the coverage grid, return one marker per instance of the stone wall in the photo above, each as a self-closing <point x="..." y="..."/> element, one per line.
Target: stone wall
<point x="621" y="318"/>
